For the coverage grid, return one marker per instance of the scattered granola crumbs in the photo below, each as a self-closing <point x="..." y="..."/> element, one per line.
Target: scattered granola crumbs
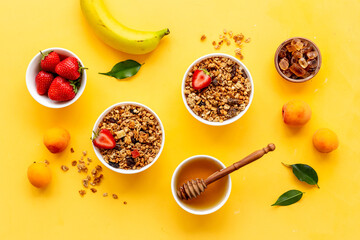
<point x="94" y="172"/>
<point x="82" y="192"/>
<point x="97" y="180"/>
<point x="84" y="153"/>
<point x="105" y="194"/>
<point x="238" y="39"/>
<point x="125" y="202"/>
<point x="73" y="163"/>
<point x="85" y="183"/>
<point x="115" y="196"/>
<point x="46" y="162"/>
<point x="82" y="168"/>
<point x="82" y="158"/>
<point x="72" y="150"/>
<point x="64" y="168"/>
<point x="98" y="167"/>
<point x="93" y="190"/>
<point x="89" y="159"/>
<point x="203" y="37"/>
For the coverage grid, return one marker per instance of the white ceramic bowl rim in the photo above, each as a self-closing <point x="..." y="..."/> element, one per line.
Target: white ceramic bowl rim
<point x="180" y="202"/>
<point x="34" y="68"/>
<point x="130" y="171"/>
<point x="228" y="121"/>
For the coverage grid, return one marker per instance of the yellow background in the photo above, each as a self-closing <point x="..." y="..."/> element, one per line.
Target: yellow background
<point x="58" y="212"/>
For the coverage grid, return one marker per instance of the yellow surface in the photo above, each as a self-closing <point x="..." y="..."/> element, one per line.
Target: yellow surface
<point x="58" y="212"/>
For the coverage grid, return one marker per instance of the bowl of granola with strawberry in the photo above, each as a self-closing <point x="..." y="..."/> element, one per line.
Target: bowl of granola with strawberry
<point x="217" y="89"/>
<point x="128" y="137"/>
<point x="56" y="77"/>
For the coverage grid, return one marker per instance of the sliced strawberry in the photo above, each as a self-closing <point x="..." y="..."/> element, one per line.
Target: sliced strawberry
<point x="104" y="139"/>
<point x="49" y="61"/>
<point x="201" y="79"/>
<point x="135" y="153"/>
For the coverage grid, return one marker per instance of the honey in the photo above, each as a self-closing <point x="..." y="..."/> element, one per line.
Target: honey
<point x="203" y="168"/>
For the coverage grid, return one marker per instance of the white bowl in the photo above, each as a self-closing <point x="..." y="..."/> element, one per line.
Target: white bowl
<point x="180" y="202"/>
<point x="34" y="68"/>
<point x="228" y="121"/>
<point x="128" y="171"/>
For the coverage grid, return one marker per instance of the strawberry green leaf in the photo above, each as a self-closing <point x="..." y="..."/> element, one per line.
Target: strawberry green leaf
<point x="288" y="198"/>
<point x="124" y="69"/>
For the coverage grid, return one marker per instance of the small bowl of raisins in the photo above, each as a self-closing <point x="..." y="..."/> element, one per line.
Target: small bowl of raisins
<point x="298" y="59"/>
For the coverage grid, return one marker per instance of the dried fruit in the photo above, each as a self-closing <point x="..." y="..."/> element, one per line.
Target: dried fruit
<point x="135" y="153"/>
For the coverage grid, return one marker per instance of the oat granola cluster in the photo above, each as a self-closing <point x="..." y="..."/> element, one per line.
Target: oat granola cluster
<point x="226" y="96"/>
<point x="134" y="128"/>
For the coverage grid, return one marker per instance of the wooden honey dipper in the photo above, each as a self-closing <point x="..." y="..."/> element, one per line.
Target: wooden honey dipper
<point x="193" y="188"/>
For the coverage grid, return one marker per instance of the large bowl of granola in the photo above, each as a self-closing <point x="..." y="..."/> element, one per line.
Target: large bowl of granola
<point x="135" y="129"/>
<point x="217" y="89"/>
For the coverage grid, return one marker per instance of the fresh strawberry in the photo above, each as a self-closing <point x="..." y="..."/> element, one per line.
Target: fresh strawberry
<point x="43" y="81"/>
<point x="104" y="139"/>
<point x="49" y="61"/>
<point x="69" y="68"/>
<point x="62" y="90"/>
<point x="135" y="153"/>
<point x="201" y="79"/>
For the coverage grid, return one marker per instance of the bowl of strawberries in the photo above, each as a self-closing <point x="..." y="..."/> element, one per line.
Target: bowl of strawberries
<point x="56" y="77"/>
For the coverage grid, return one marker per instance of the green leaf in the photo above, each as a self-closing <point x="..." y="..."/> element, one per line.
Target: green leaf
<point x="288" y="198"/>
<point x="304" y="173"/>
<point x="124" y="69"/>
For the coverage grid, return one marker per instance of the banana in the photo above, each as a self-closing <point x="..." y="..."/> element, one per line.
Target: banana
<point x="115" y="34"/>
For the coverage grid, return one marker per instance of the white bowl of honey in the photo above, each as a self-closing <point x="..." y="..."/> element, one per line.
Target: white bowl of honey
<point x="216" y="194"/>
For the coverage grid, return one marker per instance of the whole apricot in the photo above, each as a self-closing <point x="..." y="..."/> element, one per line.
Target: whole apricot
<point x="39" y="175"/>
<point x="56" y="139"/>
<point x="325" y="140"/>
<point x="296" y="113"/>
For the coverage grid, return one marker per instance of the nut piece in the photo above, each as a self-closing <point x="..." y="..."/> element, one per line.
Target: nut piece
<point x="203" y="37"/>
<point x="64" y="168"/>
<point x="73" y="163"/>
<point x="93" y="190"/>
<point x="115" y="196"/>
<point x="82" y="192"/>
